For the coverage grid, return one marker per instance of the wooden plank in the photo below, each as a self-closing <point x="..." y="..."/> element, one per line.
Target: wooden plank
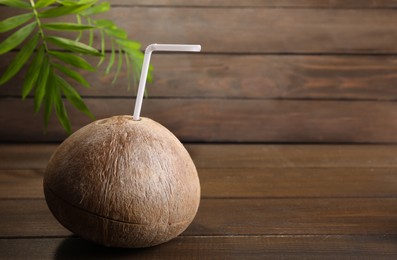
<point x="21" y="184"/>
<point x="261" y="30"/>
<point x="220" y="120"/>
<point x="252" y="247"/>
<point x="25" y="156"/>
<point x="249" y="76"/>
<point x="265" y="3"/>
<point x="298" y="182"/>
<point x="250" y="183"/>
<point x="296" y="216"/>
<point x="285" y="156"/>
<point x="261" y="3"/>
<point x="241" y="156"/>
<point x="371" y="216"/>
<point x="20" y="218"/>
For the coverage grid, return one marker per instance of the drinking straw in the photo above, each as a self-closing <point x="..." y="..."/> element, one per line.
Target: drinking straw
<point x="145" y="67"/>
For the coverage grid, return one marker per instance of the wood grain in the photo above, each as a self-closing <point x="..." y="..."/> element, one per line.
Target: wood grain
<point x="25" y="156"/>
<point x="271" y="182"/>
<point x="290" y="226"/>
<point x="16" y="184"/>
<point x="237" y="37"/>
<point x="213" y="120"/>
<point x="261" y="30"/>
<point x="222" y="217"/>
<point x="196" y="247"/>
<point x="285" y="71"/>
<point x="258" y="30"/>
<point x="265" y="3"/>
<point x="249" y="76"/>
<point x="240" y="156"/>
<point x="298" y="182"/>
<point x="294" y="156"/>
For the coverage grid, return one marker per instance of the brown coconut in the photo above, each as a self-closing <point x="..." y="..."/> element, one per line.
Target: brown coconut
<point x="123" y="183"/>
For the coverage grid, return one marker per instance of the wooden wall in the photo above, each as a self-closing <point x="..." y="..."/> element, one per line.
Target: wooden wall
<point x="280" y="71"/>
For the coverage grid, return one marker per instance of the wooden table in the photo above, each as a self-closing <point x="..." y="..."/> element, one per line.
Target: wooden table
<point x="292" y="201"/>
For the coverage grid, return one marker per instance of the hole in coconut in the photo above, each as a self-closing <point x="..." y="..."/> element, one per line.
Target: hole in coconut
<point x="102" y="122"/>
<point x="127" y="117"/>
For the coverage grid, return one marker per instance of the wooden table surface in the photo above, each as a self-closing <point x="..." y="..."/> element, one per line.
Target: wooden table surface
<point x="258" y="201"/>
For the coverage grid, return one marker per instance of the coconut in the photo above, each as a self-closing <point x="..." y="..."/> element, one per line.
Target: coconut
<point x="123" y="183"/>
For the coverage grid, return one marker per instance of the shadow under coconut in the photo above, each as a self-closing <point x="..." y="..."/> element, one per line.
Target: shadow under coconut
<point x="77" y="248"/>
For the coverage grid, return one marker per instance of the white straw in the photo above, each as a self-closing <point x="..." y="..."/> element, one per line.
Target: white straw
<point x="145" y="67"/>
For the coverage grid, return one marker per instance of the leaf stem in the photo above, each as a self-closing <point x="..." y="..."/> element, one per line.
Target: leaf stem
<point x="41" y="32"/>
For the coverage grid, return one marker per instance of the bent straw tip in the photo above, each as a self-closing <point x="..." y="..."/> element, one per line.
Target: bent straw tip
<point x="173" y="47"/>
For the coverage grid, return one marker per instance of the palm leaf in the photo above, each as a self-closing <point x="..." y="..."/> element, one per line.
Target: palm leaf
<point x="44" y="3"/>
<point x="73" y="97"/>
<point x="127" y="62"/>
<point x="41" y="84"/>
<point x="91" y="35"/>
<point x="20" y="59"/>
<point x="116" y="32"/>
<point x="72" y="59"/>
<point x="32" y="75"/>
<point x="61" y="111"/>
<point x="15" y="3"/>
<point x="64" y="10"/>
<point x="66" y="26"/>
<point x="119" y="65"/>
<point x="104" y="23"/>
<point x="96" y="9"/>
<point x="102" y="59"/>
<point x="78" y="18"/>
<point x="73" y="46"/>
<point x="15" y="21"/>
<point x="72" y="74"/>
<point x="16" y="38"/>
<point x="49" y="98"/>
<point x="74" y="2"/>
<point x="129" y="45"/>
<point x="111" y="59"/>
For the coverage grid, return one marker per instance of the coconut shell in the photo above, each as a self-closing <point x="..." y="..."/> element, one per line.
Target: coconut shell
<point x="123" y="183"/>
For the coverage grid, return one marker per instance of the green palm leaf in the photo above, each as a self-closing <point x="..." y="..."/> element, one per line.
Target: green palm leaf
<point x="74" y="2"/>
<point x="73" y="46"/>
<point x="96" y="9"/>
<point x="19" y="60"/>
<point x="66" y="26"/>
<point x="32" y="74"/>
<point x="41" y="84"/>
<point x="104" y="23"/>
<point x="129" y="45"/>
<point x="44" y="3"/>
<point x="102" y="59"/>
<point x="15" y="21"/>
<point x="78" y="18"/>
<point x="119" y="65"/>
<point x="49" y="70"/>
<point x="111" y="60"/>
<point x="91" y="35"/>
<point x="49" y="99"/>
<point x="16" y="38"/>
<point x="72" y="74"/>
<point x="61" y="111"/>
<point x="15" y="3"/>
<point x="72" y="59"/>
<point x="73" y="97"/>
<point x="127" y="62"/>
<point x="117" y="33"/>
<point x="64" y="10"/>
